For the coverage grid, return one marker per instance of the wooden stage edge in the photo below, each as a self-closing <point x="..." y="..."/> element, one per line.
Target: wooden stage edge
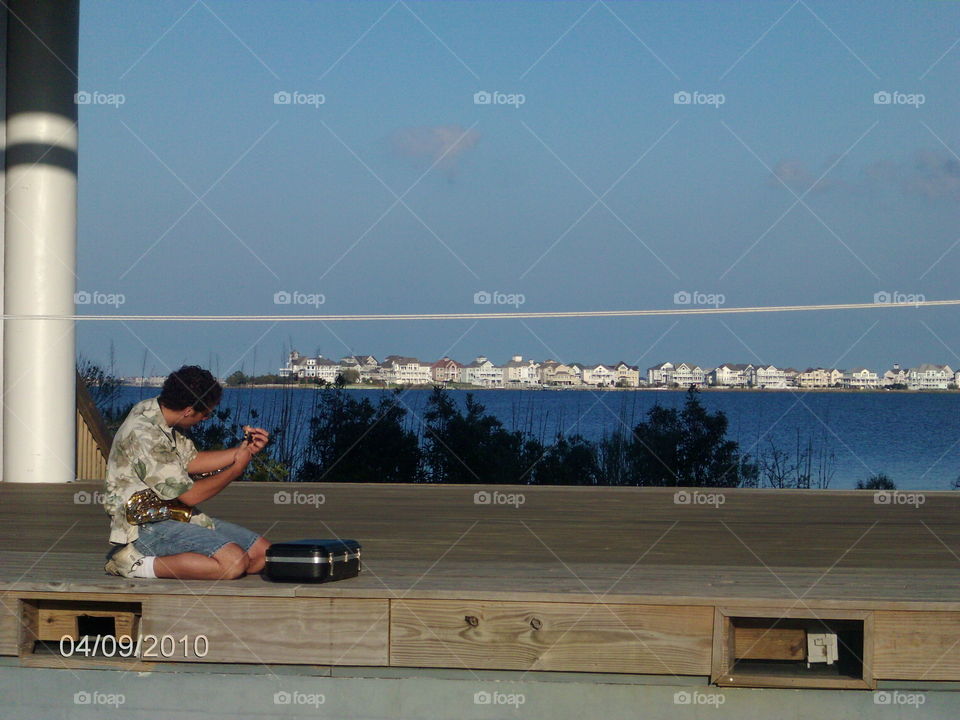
<point x="727" y="584"/>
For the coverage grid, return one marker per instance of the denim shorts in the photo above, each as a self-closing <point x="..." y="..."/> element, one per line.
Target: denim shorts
<point x="171" y="537"/>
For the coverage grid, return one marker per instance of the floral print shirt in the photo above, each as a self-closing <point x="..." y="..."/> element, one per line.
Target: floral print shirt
<point x="146" y="453"/>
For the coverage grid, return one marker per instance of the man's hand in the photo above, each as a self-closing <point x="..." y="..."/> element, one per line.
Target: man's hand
<point x="258" y="439"/>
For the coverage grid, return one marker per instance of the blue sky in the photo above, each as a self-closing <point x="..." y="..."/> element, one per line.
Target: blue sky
<point x="798" y="189"/>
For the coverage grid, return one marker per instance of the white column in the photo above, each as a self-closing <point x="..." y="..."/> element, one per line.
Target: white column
<point x="3" y="189"/>
<point x="39" y="433"/>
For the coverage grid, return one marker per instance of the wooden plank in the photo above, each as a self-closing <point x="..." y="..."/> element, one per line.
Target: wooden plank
<point x="551" y="636"/>
<point x="58" y="662"/>
<point x="769" y="643"/>
<point x="28" y="628"/>
<point x="869" y="650"/>
<point x="315" y="631"/>
<point x="721" y="662"/>
<point x="917" y="645"/>
<point x="55" y="623"/>
<point x="768" y="681"/>
<point x="9" y="625"/>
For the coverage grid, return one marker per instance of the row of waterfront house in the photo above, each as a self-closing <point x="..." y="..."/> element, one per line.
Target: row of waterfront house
<point x="518" y="373"/>
<point x="482" y="372"/>
<point x="923" y="377"/>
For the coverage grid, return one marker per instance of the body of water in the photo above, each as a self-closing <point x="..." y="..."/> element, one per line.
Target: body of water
<point x="912" y="437"/>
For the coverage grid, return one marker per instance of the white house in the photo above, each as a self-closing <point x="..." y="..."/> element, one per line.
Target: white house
<point x="733" y="375"/>
<point x="311" y="368"/>
<point x="687" y="374"/>
<point x="661" y="374"/>
<point x="930" y="377"/>
<point x="599" y="375"/>
<point x="576" y="369"/>
<point x="483" y="373"/>
<point x="814" y="378"/>
<point x="326" y="369"/>
<point x="405" y="371"/>
<point x="769" y="376"/>
<point x="860" y="378"/>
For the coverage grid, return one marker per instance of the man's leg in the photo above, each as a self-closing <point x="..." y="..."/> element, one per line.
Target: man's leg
<point x="255" y="544"/>
<point x="191" y="552"/>
<point x="228" y="563"/>
<point x="257" y="555"/>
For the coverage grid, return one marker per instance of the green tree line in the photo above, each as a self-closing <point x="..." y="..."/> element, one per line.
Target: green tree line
<point x="356" y="440"/>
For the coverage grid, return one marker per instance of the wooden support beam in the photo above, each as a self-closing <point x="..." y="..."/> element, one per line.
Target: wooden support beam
<point x="769" y="643"/>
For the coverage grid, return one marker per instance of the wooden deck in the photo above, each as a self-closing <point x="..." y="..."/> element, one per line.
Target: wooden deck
<point x="581" y="579"/>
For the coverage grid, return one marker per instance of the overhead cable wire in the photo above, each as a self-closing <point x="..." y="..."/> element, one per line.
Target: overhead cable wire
<point x="505" y="315"/>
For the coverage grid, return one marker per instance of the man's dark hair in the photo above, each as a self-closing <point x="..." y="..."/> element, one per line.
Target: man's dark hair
<point x="191" y="386"/>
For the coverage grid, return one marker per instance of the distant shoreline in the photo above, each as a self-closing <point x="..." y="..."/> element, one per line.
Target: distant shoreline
<point x="708" y="388"/>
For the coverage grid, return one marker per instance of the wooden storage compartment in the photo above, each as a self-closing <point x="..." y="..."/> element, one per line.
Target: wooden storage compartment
<point x="45" y="622"/>
<point x="769" y="648"/>
<point x="59" y="618"/>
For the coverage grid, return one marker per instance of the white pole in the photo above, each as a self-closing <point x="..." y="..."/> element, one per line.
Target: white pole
<point x="3" y="189"/>
<point x="39" y="410"/>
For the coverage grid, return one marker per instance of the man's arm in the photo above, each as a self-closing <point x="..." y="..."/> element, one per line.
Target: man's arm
<point x="205" y="488"/>
<point x="210" y="460"/>
<point x="237" y="459"/>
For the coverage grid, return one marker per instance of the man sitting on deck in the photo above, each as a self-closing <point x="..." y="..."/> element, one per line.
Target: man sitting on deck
<point x="150" y="453"/>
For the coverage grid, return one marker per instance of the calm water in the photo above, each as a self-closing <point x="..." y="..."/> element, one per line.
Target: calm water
<point x="912" y="437"/>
